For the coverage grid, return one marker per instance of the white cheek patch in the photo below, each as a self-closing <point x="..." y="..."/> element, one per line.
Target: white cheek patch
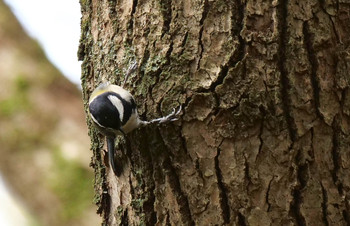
<point x="118" y="104"/>
<point x="131" y="124"/>
<point x="93" y="118"/>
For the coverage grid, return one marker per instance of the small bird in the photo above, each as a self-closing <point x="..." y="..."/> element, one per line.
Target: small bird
<point x="113" y="111"/>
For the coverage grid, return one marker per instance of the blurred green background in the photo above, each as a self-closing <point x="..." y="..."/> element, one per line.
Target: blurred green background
<point x="44" y="146"/>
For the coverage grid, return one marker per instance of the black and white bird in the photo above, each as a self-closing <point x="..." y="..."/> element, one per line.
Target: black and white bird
<point x="113" y="111"/>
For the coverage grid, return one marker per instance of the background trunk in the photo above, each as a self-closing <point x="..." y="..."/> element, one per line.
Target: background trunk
<point x="264" y="134"/>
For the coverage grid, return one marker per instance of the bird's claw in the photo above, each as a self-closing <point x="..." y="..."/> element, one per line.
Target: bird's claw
<point x="169" y="118"/>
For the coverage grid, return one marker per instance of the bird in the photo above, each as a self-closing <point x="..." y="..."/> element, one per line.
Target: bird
<point x="113" y="111"/>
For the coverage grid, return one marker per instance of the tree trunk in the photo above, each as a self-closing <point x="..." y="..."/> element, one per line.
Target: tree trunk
<point x="263" y="138"/>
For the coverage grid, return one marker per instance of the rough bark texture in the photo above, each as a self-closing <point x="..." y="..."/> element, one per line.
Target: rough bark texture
<point x="264" y="134"/>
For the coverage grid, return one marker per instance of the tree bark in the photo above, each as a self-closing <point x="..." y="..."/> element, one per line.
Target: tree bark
<point x="263" y="138"/>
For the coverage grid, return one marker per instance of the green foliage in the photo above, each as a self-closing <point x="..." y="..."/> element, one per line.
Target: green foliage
<point x="72" y="184"/>
<point x="18" y="101"/>
<point x="22" y="84"/>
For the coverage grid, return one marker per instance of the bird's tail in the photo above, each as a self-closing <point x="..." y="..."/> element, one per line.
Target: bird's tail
<point x="111" y="151"/>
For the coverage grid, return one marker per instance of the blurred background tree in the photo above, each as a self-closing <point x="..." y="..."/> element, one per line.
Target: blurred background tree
<point x="43" y="137"/>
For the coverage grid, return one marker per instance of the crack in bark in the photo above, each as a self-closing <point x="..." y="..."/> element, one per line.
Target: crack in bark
<point x="239" y="55"/>
<point x="198" y="170"/>
<point x="314" y="65"/>
<point x="131" y="22"/>
<point x="133" y="10"/>
<point x="201" y="23"/>
<point x="241" y="219"/>
<point x="167" y="12"/>
<point x="183" y="43"/>
<point x="346" y="212"/>
<point x="235" y="58"/>
<point x="246" y="173"/>
<point x="259" y="136"/>
<point x="149" y="188"/>
<point x="267" y="195"/>
<point x="105" y="207"/>
<point x="342" y="100"/>
<point x="145" y="57"/>
<point x="295" y="208"/>
<point x="168" y="53"/>
<point x="167" y="219"/>
<point x="224" y="202"/>
<point x="324" y="204"/>
<point x="142" y="193"/>
<point x="183" y="140"/>
<point x="323" y="7"/>
<point x="302" y="178"/>
<point x="102" y="197"/>
<point x="149" y="204"/>
<point x="175" y="185"/>
<point x="132" y="192"/>
<point x="174" y="182"/>
<point x="124" y="220"/>
<point x="312" y="151"/>
<point x="112" y="13"/>
<point x="105" y="204"/>
<point x="285" y="83"/>
<point x="221" y="76"/>
<point x="241" y="47"/>
<point x="336" y="158"/>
